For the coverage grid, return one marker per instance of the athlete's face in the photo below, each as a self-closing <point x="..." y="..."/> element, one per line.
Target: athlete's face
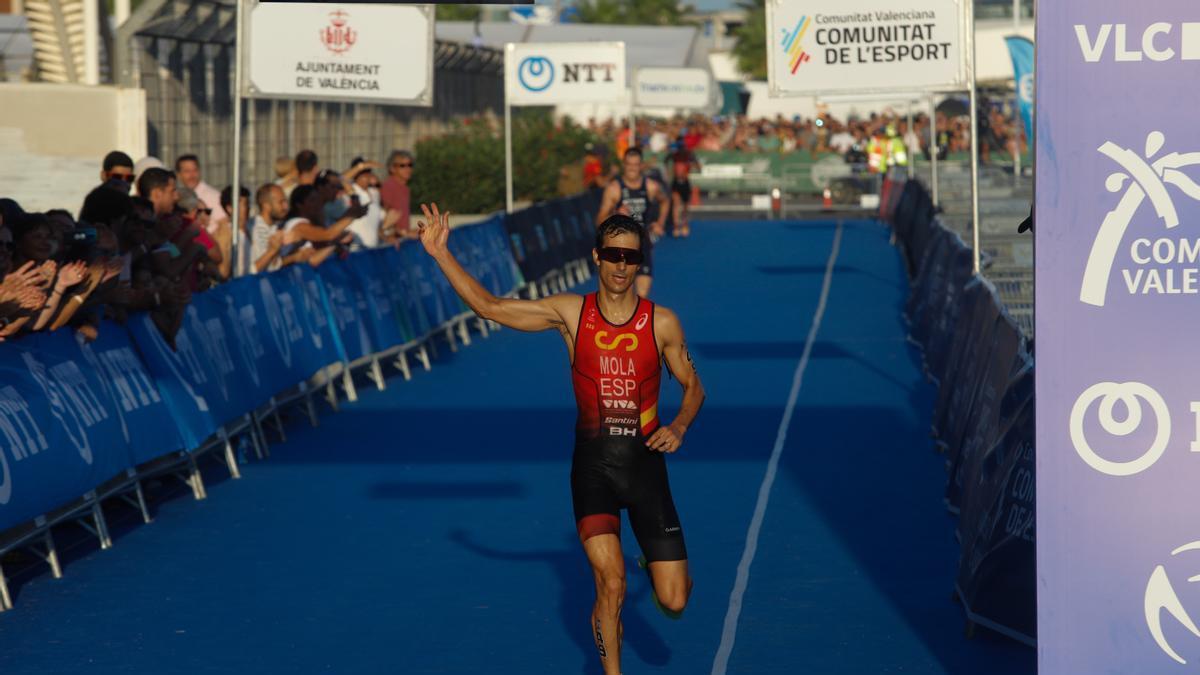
<point x="633" y="167"/>
<point x="617" y="277"/>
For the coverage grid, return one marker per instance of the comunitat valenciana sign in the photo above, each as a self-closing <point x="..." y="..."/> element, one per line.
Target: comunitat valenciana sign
<point x="863" y="46"/>
<point x="1118" y="312"/>
<point x="686" y="88"/>
<point x="347" y="52"/>
<point x="564" y="72"/>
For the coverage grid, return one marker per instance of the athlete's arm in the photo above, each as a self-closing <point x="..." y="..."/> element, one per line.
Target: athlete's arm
<point x="669" y="334"/>
<point x="526" y="315"/>
<point x="309" y="232"/>
<point x="608" y="204"/>
<point x="664" y="203"/>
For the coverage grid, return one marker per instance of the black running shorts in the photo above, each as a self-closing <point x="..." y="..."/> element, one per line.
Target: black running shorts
<point x="608" y="475"/>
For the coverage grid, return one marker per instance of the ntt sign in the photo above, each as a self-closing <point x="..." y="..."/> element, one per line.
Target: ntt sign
<point x="862" y="46"/>
<point x="553" y="73"/>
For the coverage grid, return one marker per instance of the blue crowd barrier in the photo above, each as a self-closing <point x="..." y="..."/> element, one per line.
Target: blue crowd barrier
<point x="77" y="416"/>
<point x="983" y="416"/>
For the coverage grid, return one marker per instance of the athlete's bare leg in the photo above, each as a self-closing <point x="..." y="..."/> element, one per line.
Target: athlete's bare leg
<point x="642" y="283"/>
<point x="677" y="214"/>
<point x="608" y="565"/>
<point x="672" y="585"/>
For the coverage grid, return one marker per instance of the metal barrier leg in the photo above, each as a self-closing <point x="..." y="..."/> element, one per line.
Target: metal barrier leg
<point x="402" y="363"/>
<point x="331" y="393"/>
<point x="533" y="290"/>
<point x="348" y="385"/>
<point x="464" y="333"/>
<point x="97" y="514"/>
<point x="278" y="421"/>
<point x="377" y="374"/>
<point x="450" y="338"/>
<point x="308" y="405"/>
<point x="231" y="459"/>
<point x="51" y="556"/>
<point x="423" y="356"/>
<point x="197" y="480"/>
<point x="482" y="324"/>
<point x="141" y="502"/>
<point x="260" y="443"/>
<point x="5" y="598"/>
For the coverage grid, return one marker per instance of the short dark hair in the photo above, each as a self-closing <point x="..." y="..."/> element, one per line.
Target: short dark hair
<point x="105" y="205"/>
<point x="260" y="195"/>
<point x="117" y="158"/>
<point x="299" y="194"/>
<point x="187" y="158"/>
<point x="635" y="150"/>
<point x="227" y="197"/>
<point x="153" y="179"/>
<point x="306" y="160"/>
<point x="617" y="224"/>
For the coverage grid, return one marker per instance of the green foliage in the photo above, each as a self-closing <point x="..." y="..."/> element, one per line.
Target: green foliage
<point x="541" y="148"/>
<point x="750" y="51"/>
<point x="632" y="12"/>
<point x="463" y="171"/>
<point x="457" y="12"/>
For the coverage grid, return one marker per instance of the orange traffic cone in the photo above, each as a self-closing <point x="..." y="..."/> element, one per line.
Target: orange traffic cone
<point x="827" y="202"/>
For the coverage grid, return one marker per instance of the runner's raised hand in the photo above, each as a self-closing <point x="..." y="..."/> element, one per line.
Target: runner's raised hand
<point x="434" y="229"/>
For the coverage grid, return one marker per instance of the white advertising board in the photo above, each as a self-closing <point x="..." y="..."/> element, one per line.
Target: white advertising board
<point x="688" y="88"/>
<point x="344" y="52"/>
<point x="564" y="72"/>
<point x="858" y="46"/>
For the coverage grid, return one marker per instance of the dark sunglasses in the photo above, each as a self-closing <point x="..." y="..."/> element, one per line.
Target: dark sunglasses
<point x="406" y="165"/>
<point x="616" y="254"/>
<point x="207" y="212"/>
<point x="127" y="177"/>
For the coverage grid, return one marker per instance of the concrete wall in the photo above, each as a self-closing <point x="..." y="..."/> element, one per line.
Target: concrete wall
<point x="68" y="120"/>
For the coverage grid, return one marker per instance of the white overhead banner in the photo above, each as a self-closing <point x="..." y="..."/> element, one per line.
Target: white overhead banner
<point x="688" y="88"/>
<point x="564" y="72"/>
<point x="346" y="52"/>
<point x="858" y="46"/>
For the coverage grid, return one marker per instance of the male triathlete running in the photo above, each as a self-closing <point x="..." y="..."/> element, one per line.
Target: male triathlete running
<point x="630" y="195"/>
<point x="683" y="162"/>
<point x="616" y="342"/>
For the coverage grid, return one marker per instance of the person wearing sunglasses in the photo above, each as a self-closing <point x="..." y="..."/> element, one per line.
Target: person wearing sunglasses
<point x="634" y="195"/>
<point x="117" y="171"/>
<point x="395" y="196"/>
<point x="616" y="342"/>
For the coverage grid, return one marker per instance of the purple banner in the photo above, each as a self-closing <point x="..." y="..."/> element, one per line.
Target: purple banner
<point x="1118" y="323"/>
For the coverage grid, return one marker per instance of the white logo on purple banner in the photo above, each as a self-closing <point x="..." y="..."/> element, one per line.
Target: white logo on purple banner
<point x="1161" y="597"/>
<point x="1129" y="395"/>
<point x="1143" y="178"/>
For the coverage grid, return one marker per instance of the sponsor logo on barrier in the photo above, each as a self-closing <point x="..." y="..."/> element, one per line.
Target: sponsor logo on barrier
<point x="21" y="436"/>
<point x="275" y="321"/>
<point x="72" y="401"/>
<point x="1161" y="597"/>
<point x="1157" y="42"/>
<point x="1154" y="265"/>
<point x="602" y="341"/>
<point x="215" y="346"/>
<point x="313" y="309"/>
<point x="182" y="361"/>
<point x="245" y="323"/>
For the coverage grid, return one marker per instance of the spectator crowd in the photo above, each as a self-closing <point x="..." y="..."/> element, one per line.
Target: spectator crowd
<point x="817" y="136"/>
<point x="148" y="237"/>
